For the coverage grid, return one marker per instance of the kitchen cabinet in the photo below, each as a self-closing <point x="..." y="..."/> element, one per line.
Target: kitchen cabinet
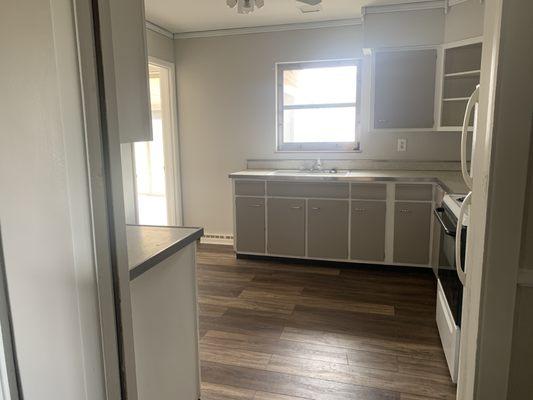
<point x="412" y="222"/>
<point x="404" y="89"/>
<point x="359" y="221"/>
<point x="368" y="225"/>
<point x="327" y="229"/>
<point x="286" y="227"/>
<point x="250" y="224"/>
<point x="131" y="70"/>
<point x="461" y="73"/>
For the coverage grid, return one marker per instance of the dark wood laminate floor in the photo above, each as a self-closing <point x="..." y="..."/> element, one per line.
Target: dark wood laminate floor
<point x="276" y="331"/>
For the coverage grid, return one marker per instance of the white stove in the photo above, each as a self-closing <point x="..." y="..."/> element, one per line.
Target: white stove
<point x="454" y="202"/>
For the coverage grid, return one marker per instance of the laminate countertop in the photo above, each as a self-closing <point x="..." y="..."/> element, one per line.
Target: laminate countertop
<point x="450" y="181"/>
<point x="149" y="245"/>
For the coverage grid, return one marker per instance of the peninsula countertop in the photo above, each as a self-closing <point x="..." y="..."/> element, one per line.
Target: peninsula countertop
<point x="450" y="181"/>
<point x="149" y="245"/>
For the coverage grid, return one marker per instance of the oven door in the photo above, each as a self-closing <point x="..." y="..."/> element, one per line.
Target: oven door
<point x="447" y="274"/>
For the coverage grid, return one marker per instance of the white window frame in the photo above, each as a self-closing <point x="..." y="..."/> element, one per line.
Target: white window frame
<point x="314" y="147"/>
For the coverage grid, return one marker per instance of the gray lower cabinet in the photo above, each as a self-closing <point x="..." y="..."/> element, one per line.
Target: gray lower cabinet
<point x="327" y="229"/>
<point x="412" y="222"/>
<point x="250" y="224"/>
<point x="286" y="227"/>
<point x="368" y="230"/>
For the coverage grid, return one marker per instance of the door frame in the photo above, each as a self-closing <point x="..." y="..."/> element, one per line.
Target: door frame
<point x="171" y="152"/>
<point x="95" y="52"/>
<point x="11" y="378"/>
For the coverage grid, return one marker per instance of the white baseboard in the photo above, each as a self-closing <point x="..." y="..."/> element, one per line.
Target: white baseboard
<point x="215" y="238"/>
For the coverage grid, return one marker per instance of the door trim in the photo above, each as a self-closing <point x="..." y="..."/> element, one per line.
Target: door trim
<point x="95" y="51"/>
<point x="8" y="338"/>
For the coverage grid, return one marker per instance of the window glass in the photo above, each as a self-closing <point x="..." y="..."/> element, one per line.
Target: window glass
<point x="320" y="85"/>
<point x="318" y="105"/>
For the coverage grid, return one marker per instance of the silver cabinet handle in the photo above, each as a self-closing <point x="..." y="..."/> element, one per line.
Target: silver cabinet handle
<point x="405" y="211"/>
<point x="315" y="208"/>
<point x="296" y="207"/>
<point x="255" y="205"/>
<point x="359" y="209"/>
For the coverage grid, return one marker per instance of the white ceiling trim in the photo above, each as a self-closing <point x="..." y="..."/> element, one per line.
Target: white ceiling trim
<point x="269" y="28"/>
<point x="413" y="5"/>
<point x="156" y="28"/>
<point x="407" y="6"/>
<point x="452" y="3"/>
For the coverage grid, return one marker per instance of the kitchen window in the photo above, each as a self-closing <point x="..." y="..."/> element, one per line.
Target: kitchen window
<point x="318" y="106"/>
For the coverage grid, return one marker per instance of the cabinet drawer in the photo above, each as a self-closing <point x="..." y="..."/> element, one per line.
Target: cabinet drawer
<point x="420" y="192"/>
<point x="286" y="227"/>
<point x="332" y="190"/>
<point x="327" y="229"/>
<point x="412" y="222"/>
<point x="250" y="224"/>
<point x="250" y="188"/>
<point x="369" y="191"/>
<point x="368" y="230"/>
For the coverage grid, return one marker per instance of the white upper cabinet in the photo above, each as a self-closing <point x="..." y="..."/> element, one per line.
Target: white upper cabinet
<point x="461" y="74"/>
<point x="131" y="70"/>
<point x="404" y="89"/>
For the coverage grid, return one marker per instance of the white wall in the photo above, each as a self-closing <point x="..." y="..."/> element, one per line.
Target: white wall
<point x="521" y="371"/>
<point x="226" y="103"/>
<point x="44" y="204"/>
<point x="463" y="21"/>
<point x="159" y="46"/>
<point x="406" y="28"/>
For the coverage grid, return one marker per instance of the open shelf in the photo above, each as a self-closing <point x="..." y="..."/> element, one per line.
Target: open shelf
<point x="465" y="73"/>
<point x="461" y="75"/>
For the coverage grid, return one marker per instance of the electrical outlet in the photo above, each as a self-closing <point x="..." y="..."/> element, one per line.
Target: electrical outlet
<point x="402" y="144"/>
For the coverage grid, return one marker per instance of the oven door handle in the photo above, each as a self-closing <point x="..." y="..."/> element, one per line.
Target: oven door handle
<point x="458" y="239"/>
<point x="448" y="230"/>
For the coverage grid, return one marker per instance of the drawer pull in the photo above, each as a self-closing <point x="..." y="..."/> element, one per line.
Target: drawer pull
<point x="255" y="205"/>
<point x="315" y="208"/>
<point x="296" y="207"/>
<point x="359" y="209"/>
<point x="404" y="211"/>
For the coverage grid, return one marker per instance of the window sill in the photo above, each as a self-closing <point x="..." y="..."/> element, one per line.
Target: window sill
<point x="317" y="151"/>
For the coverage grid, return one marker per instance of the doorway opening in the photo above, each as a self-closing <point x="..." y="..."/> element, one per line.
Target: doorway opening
<point x="157" y="188"/>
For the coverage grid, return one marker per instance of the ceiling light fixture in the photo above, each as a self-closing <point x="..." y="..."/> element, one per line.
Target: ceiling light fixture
<point x="245" y="6"/>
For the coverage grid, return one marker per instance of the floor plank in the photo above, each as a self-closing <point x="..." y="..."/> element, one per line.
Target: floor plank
<point x="223" y="392"/>
<point x="288" y="331"/>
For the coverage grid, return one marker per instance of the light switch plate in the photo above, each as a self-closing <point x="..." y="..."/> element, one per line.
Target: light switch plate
<point x="402" y="144"/>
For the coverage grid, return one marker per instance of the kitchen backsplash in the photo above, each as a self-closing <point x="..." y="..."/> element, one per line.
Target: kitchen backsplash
<point x="355" y="164"/>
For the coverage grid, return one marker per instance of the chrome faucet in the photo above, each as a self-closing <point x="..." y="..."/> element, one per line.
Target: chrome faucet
<point x="317" y="166"/>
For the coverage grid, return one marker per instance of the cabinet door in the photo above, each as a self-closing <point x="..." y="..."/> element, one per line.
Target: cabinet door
<point x="131" y="70"/>
<point x="286" y="227"/>
<point x="327" y="229"/>
<point x="412" y="222"/>
<point x="250" y="224"/>
<point x="404" y="89"/>
<point x="368" y="230"/>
